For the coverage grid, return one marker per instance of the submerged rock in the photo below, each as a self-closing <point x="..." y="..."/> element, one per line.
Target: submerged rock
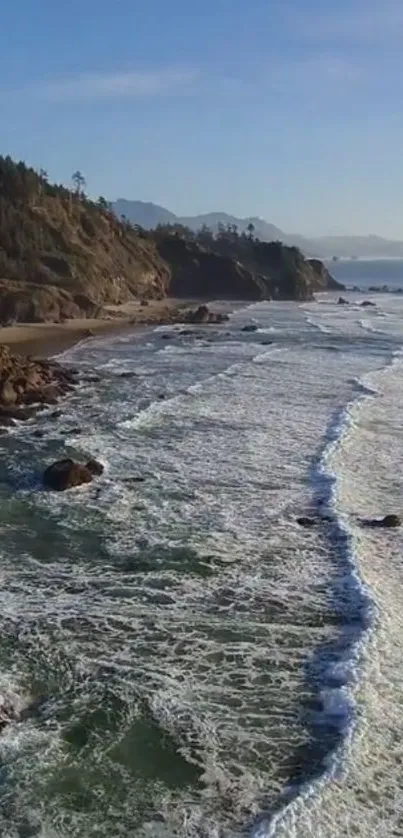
<point x="202" y="314"/>
<point x="388" y="522"/>
<point x="66" y="474"/>
<point x="95" y="468"/>
<point x="131" y="481"/>
<point x="305" y="521"/>
<point x="8" y="714"/>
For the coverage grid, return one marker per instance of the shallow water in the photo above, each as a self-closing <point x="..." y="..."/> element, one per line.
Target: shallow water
<point x="197" y="659"/>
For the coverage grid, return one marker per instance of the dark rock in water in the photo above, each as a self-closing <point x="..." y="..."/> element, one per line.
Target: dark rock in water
<point x="132" y="480"/>
<point x="367" y="303"/>
<point x="161" y="396"/>
<point x="342" y="302"/>
<point x="267" y="342"/>
<point x="6" y="421"/>
<point x="184" y="333"/>
<point x="34" y="709"/>
<point x="8" y="714"/>
<point x="66" y="474"/>
<point x="72" y="431"/>
<point x="307" y="522"/>
<point x="167" y="337"/>
<point x="251" y="327"/>
<point x="128" y="375"/>
<point x="91" y="379"/>
<point x="20" y="413"/>
<point x="218" y="317"/>
<point x="388" y="522"/>
<point x="200" y="315"/>
<point x="327" y="519"/>
<point x="95" y="468"/>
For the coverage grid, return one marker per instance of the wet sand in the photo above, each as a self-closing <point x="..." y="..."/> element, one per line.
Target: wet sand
<point x="42" y="340"/>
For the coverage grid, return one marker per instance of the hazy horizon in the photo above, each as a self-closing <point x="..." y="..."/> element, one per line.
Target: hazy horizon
<point x="273" y="221"/>
<point x="286" y="111"/>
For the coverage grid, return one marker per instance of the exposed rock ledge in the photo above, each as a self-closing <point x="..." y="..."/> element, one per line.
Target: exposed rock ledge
<point x="26" y="385"/>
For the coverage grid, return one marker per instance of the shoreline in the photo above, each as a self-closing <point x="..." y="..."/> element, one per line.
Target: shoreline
<point x="46" y="340"/>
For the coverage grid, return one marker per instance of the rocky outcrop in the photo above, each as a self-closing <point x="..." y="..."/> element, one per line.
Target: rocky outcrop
<point x="28" y="303"/>
<point x="202" y="314"/>
<point x="268" y="271"/>
<point x="62" y="255"/>
<point x="67" y="474"/>
<point x="342" y="302"/>
<point x="324" y="281"/>
<point x="307" y="522"/>
<point x="199" y="273"/>
<point x="25" y="383"/>
<point x="388" y="522"/>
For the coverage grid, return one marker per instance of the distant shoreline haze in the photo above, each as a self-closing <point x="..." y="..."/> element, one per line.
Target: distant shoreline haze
<point x="149" y="215"/>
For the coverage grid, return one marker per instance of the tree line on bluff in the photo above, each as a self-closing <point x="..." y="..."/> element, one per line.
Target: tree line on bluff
<point x="53" y="235"/>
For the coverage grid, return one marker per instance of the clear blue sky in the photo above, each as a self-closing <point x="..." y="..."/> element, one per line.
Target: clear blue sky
<point x="288" y="109"/>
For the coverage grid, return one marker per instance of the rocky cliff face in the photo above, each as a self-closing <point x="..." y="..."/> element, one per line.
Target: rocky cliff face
<point x="199" y="273"/>
<point x="64" y="256"/>
<point x="323" y="279"/>
<point x="276" y="272"/>
<point x="61" y="255"/>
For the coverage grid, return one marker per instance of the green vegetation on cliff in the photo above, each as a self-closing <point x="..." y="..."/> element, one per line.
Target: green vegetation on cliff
<point x="73" y="252"/>
<point x="63" y="255"/>
<point x="235" y="264"/>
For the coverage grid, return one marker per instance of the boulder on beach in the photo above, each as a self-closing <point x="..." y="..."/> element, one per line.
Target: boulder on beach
<point x="67" y="474"/>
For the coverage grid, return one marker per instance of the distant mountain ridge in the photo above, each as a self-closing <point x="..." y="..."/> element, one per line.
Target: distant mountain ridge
<point x="149" y="215"/>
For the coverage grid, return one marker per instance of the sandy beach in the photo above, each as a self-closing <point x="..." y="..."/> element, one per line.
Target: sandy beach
<point x="46" y="339"/>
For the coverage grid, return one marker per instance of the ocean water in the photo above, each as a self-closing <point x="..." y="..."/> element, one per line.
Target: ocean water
<point x="365" y="273"/>
<point x="189" y="661"/>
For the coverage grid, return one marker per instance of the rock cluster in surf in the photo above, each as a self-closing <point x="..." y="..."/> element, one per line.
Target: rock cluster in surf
<point x="26" y="385"/>
<point x="67" y="474"/>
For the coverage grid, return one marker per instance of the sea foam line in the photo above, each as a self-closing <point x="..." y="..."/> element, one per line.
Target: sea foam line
<point x="337" y="702"/>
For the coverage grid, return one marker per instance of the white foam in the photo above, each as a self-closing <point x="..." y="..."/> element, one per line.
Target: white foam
<point x="200" y="595"/>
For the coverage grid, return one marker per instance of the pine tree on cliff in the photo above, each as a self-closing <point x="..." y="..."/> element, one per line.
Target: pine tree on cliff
<point x="79" y="183"/>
